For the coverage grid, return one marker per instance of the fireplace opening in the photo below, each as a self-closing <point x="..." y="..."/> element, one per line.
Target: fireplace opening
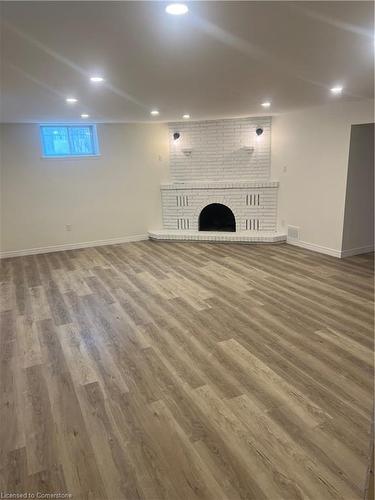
<point x="217" y="217"/>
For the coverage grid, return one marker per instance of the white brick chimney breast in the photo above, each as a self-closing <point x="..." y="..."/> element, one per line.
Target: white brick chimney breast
<point x="225" y="162"/>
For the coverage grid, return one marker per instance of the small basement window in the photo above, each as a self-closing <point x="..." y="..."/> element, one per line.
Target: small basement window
<point x="64" y="141"/>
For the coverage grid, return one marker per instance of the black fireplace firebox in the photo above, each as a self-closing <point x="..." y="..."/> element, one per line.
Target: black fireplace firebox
<point x="217" y="217"/>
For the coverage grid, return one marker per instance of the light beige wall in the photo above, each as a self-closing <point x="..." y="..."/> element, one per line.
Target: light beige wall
<point x="113" y="196"/>
<point x="358" y="233"/>
<point x="310" y="150"/>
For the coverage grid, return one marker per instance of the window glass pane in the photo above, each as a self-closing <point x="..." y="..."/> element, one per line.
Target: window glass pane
<point x="55" y="141"/>
<point x="69" y="140"/>
<point x="81" y="140"/>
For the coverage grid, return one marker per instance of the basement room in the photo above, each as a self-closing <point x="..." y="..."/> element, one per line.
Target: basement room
<point x="187" y="250"/>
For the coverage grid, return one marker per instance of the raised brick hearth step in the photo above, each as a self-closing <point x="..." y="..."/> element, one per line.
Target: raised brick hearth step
<point x="219" y="236"/>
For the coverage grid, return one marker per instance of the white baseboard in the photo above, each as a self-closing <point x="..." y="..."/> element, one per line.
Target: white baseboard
<point x="73" y="246"/>
<point x="315" y="248"/>
<point x="331" y="251"/>
<point x="357" y="251"/>
<point x="140" y="237"/>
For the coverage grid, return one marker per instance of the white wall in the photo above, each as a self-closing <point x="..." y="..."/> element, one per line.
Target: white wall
<point x="310" y="150"/>
<point x="116" y="195"/>
<point x="358" y="233"/>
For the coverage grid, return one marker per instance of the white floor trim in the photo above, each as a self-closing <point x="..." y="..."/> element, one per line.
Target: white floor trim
<point x="218" y="236"/>
<point x="357" y="251"/>
<point x="331" y="251"/>
<point x="315" y="248"/>
<point x="73" y="246"/>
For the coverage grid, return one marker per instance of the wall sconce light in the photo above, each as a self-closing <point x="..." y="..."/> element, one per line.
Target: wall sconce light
<point x="259" y="131"/>
<point x="176" y="136"/>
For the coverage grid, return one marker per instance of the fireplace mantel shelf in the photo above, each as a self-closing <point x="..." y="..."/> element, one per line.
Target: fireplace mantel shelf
<point x="218" y="185"/>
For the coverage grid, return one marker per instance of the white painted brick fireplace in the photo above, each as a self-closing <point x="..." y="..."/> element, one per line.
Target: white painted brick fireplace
<point x="225" y="162"/>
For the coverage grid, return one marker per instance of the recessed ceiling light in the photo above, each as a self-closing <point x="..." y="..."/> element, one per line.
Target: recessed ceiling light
<point x="71" y="100"/>
<point x="96" y="79"/>
<point x="154" y="112"/>
<point x="266" y="104"/>
<point x="186" y="117"/>
<point x="85" y="115"/>
<point x="177" y="9"/>
<point x="336" y="90"/>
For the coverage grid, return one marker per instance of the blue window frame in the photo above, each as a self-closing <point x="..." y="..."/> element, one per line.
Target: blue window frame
<point x="64" y="141"/>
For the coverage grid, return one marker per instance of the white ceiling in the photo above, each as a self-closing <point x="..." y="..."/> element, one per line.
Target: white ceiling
<point x="222" y="59"/>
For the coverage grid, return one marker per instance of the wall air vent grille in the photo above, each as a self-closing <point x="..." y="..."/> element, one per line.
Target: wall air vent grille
<point x="293" y="232"/>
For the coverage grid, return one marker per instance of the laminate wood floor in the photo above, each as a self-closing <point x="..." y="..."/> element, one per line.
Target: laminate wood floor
<point x="182" y="371"/>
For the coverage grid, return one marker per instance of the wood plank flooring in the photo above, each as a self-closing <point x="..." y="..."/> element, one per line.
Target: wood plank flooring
<point x="183" y="371"/>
